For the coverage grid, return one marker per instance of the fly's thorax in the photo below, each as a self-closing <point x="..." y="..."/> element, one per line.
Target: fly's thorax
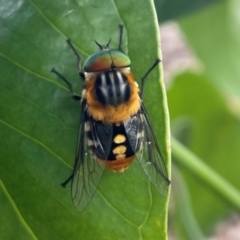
<point x="112" y="88"/>
<point x="112" y="96"/>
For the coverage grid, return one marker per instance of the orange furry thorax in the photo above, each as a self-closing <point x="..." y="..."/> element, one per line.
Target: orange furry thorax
<point x="109" y="113"/>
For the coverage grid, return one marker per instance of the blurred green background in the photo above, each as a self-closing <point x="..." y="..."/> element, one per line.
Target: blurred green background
<point x="203" y="89"/>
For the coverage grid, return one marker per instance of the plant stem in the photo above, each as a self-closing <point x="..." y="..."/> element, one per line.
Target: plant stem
<point x="203" y="171"/>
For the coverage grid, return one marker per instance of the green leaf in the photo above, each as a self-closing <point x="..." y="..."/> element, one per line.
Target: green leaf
<point x="173" y="9"/>
<point x="211" y="133"/>
<point x="39" y="121"/>
<point x="214" y="35"/>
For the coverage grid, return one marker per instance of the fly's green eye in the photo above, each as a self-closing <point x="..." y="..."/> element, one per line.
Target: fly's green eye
<point x="119" y="59"/>
<point x="106" y="59"/>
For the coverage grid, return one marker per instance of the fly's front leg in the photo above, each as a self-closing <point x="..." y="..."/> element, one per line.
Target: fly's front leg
<point x="74" y="96"/>
<point x="120" y="37"/>
<point x="146" y="75"/>
<point x="81" y="74"/>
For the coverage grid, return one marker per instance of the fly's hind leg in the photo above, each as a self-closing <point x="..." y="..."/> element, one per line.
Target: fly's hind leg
<point x="64" y="184"/>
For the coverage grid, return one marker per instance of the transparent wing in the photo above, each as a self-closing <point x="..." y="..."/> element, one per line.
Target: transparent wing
<point x="133" y="128"/>
<point x="87" y="170"/>
<point x="150" y="157"/>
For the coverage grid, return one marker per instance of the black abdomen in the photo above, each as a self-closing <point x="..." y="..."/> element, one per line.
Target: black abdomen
<point x="114" y="141"/>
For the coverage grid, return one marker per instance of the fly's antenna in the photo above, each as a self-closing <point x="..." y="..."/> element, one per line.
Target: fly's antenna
<point x="99" y="45"/>
<point x="103" y="47"/>
<point x="107" y="46"/>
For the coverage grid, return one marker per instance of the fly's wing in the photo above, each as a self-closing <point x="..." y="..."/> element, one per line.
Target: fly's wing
<point x="133" y="128"/>
<point x="87" y="170"/>
<point x="102" y="137"/>
<point x="150" y="157"/>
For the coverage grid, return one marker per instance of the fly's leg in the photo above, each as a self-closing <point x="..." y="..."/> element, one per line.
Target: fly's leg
<point x="146" y="75"/>
<point x="67" y="181"/>
<point x="74" y="96"/>
<point x="120" y="37"/>
<point x="81" y="74"/>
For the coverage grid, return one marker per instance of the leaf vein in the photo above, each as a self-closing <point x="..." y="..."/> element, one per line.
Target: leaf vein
<point x="31" y="72"/>
<point x="17" y="211"/>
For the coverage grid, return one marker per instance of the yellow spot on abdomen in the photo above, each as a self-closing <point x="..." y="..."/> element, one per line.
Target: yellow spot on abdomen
<point x="119" y="138"/>
<point x="120" y="149"/>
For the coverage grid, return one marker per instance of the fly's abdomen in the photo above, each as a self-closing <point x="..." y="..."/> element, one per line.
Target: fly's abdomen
<point x="112" y="88"/>
<point x="120" y="147"/>
<point x="110" y="143"/>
